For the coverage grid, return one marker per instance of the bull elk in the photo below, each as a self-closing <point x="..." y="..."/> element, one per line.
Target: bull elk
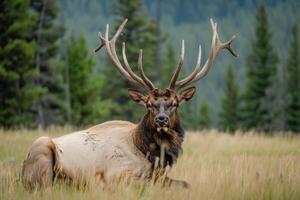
<point x="120" y="148"/>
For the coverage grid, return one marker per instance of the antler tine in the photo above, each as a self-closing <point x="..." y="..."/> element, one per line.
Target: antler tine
<point x="112" y="55"/>
<point x="128" y="68"/>
<point x="227" y="46"/>
<point x="140" y="67"/>
<point x="216" y="46"/>
<point x="216" y="40"/>
<point x="119" y="31"/>
<point x="111" y="51"/>
<point x="186" y="80"/>
<point x="112" y="43"/>
<point x="102" y="43"/>
<point x="178" y="69"/>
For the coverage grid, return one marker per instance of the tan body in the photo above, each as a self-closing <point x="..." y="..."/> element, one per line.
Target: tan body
<point x="106" y="151"/>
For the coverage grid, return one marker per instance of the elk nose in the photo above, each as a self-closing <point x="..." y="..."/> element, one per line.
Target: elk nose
<point x="162" y="120"/>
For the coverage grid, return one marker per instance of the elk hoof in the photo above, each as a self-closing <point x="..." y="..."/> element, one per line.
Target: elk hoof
<point x="185" y="184"/>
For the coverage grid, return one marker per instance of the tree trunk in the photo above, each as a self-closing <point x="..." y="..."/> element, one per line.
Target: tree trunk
<point x="67" y="76"/>
<point x="41" y="116"/>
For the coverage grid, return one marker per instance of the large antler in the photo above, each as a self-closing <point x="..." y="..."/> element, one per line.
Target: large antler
<point x="125" y="71"/>
<point x="198" y="74"/>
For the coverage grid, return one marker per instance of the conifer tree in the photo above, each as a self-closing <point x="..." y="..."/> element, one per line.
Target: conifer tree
<point x="261" y="66"/>
<point x="139" y="33"/>
<point x="84" y="85"/>
<point x="205" y="117"/>
<point x="229" y="115"/>
<point x="293" y="83"/>
<point x="47" y="32"/>
<point x="17" y="90"/>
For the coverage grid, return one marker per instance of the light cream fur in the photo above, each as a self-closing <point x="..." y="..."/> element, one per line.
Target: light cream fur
<point x="105" y="150"/>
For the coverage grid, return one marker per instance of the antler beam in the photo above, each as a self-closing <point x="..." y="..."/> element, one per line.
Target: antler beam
<point x="125" y="71"/>
<point x="198" y="74"/>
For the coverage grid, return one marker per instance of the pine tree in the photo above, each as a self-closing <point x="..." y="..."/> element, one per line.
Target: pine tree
<point x="84" y="86"/>
<point x="205" y="118"/>
<point x="47" y="32"/>
<point x="139" y="33"/>
<point x="293" y="83"/>
<point x="277" y="100"/>
<point x="17" y="91"/>
<point x="230" y="103"/>
<point x="261" y="70"/>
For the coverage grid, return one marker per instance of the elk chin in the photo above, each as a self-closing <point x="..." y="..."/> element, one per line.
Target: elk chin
<point x="162" y="129"/>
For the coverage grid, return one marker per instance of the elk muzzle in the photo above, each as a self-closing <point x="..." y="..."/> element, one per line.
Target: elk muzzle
<point x="162" y="122"/>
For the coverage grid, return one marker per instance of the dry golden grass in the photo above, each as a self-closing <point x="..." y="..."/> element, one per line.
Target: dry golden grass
<point x="218" y="166"/>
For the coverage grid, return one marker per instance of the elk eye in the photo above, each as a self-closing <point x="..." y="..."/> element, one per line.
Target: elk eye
<point x="148" y="105"/>
<point x="156" y="107"/>
<point x="168" y="105"/>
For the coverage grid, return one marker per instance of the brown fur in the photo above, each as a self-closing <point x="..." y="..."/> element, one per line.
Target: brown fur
<point x="149" y="141"/>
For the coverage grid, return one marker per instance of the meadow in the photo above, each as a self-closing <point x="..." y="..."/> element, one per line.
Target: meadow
<point x="217" y="165"/>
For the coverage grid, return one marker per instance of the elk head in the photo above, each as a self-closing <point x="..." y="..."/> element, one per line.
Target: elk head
<point x="162" y="104"/>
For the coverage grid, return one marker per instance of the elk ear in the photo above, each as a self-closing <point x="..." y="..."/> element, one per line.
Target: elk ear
<point x="186" y="94"/>
<point x="137" y="96"/>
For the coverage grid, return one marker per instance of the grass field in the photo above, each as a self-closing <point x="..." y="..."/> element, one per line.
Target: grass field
<point x="218" y="166"/>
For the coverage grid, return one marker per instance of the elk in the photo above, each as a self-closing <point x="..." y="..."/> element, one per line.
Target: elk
<point x="120" y="148"/>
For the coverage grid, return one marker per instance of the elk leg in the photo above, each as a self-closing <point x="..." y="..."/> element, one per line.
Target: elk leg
<point x="37" y="168"/>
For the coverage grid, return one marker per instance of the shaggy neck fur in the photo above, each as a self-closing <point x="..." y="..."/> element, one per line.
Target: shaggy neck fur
<point x="150" y="142"/>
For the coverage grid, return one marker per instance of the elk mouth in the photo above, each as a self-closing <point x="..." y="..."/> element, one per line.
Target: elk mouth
<point x="162" y="129"/>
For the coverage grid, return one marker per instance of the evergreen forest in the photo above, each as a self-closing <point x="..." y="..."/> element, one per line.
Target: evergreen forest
<point x="50" y="76"/>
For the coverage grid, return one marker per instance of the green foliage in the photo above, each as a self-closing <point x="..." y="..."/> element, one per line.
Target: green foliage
<point x="47" y="32"/>
<point x="84" y="86"/>
<point x="18" y="93"/>
<point x="293" y="69"/>
<point x="168" y="67"/>
<point x="229" y="114"/>
<point x="187" y="115"/>
<point x="205" y="118"/>
<point x="261" y="71"/>
<point x="31" y="72"/>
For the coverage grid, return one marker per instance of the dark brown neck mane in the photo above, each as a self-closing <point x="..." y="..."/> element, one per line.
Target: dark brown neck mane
<point x="149" y="141"/>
